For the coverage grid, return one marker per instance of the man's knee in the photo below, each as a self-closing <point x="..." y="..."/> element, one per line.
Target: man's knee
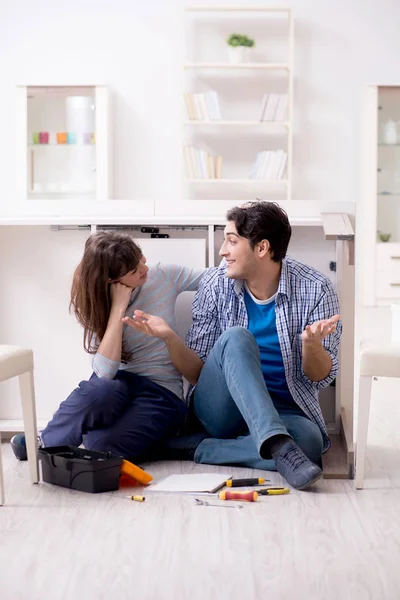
<point x="239" y="336"/>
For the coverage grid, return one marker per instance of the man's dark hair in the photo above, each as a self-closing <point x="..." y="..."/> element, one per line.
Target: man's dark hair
<point x="258" y="221"/>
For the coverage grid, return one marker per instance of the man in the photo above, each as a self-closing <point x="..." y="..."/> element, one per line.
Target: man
<point x="267" y="329"/>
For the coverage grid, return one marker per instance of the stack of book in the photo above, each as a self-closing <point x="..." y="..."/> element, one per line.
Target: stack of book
<point x="203" y="107"/>
<point x="269" y="164"/>
<point x="200" y="165"/>
<point x="274" y="107"/>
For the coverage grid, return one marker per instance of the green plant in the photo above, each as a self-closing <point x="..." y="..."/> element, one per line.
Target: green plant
<point x="237" y="39"/>
<point x="384" y="237"/>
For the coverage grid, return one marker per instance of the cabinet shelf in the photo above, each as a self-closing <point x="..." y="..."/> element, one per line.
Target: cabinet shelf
<point x="238" y="67"/>
<point x="239" y="181"/>
<point x="394" y="195"/>
<point x="236" y="9"/>
<point x="31" y="145"/>
<point x="261" y="124"/>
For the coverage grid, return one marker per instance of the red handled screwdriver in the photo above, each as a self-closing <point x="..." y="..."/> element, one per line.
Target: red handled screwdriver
<point x="246" y="496"/>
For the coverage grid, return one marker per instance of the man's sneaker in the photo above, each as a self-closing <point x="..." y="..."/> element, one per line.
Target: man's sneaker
<point x="18" y="445"/>
<point x="295" y="467"/>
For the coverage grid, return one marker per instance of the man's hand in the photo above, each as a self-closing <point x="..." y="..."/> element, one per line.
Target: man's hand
<point x="316" y="361"/>
<point x="320" y="330"/>
<point x="120" y="297"/>
<point x="149" y="324"/>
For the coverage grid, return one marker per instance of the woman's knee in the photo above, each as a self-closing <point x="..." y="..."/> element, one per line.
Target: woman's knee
<point x="99" y="391"/>
<point x="99" y="440"/>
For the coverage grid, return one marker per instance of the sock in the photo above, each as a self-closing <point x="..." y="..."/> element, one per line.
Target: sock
<point x="272" y="446"/>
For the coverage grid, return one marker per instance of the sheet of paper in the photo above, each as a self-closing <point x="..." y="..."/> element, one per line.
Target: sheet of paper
<point x="190" y="483"/>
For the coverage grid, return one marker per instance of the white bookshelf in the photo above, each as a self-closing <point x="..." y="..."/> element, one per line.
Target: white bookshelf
<point x="268" y="70"/>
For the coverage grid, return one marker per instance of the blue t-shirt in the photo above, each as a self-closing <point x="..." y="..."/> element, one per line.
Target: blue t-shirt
<point x="262" y="324"/>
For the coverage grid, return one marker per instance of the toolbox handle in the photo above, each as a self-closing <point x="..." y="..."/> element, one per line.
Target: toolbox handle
<point x="68" y="463"/>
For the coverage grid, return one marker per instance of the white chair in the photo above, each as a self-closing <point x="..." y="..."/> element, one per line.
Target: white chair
<point x="375" y="361"/>
<point x="16" y="361"/>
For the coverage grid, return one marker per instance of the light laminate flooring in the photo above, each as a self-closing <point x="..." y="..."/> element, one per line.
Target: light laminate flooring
<point x="329" y="543"/>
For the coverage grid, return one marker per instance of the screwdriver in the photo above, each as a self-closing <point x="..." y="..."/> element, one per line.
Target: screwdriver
<point x="246" y="496"/>
<point x="245" y="482"/>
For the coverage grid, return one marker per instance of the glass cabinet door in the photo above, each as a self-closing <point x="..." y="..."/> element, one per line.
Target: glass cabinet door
<point x="388" y="152"/>
<point x="61" y="142"/>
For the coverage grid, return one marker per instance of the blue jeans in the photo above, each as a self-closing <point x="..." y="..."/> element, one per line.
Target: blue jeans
<point x="234" y="406"/>
<point x="128" y="416"/>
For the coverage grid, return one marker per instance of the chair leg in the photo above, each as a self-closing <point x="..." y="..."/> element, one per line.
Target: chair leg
<point x="364" y="402"/>
<point x="2" y="496"/>
<point x="26" y="385"/>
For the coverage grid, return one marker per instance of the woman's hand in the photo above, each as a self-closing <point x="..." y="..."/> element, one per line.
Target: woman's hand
<point x="120" y="296"/>
<point x="149" y="324"/>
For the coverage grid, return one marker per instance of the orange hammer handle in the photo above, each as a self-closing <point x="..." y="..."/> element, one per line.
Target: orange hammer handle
<point x="246" y="496"/>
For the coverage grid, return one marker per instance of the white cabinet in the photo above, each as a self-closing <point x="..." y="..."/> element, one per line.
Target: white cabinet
<point x="378" y="211"/>
<point x="64" y="152"/>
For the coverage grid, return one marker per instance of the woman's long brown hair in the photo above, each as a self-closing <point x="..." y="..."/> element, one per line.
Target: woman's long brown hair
<point x="107" y="255"/>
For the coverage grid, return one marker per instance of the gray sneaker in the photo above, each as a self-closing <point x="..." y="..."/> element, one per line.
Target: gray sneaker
<point x="295" y="467"/>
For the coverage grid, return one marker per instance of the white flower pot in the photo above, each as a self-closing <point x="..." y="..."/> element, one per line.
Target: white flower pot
<point x="238" y="54"/>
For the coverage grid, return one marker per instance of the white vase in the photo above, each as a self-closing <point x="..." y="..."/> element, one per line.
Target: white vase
<point x="238" y="54"/>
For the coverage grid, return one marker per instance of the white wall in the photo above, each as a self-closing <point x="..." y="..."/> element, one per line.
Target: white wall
<point x="135" y="48"/>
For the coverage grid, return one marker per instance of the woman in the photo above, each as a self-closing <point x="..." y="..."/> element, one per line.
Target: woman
<point x="134" y="398"/>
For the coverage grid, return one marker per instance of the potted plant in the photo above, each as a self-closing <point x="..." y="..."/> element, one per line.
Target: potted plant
<point x="239" y="45"/>
<point x="384" y="237"/>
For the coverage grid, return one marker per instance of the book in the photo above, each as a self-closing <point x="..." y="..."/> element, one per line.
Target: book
<point x="281" y="111"/>
<point x="210" y="105"/>
<point x="264" y="106"/>
<point x="203" y="107"/>
<point x="210" y="165"/>
<point x="217" y="109"/>
<point x="197" y="108"/>
<point x="189" y="107"/>
<point x="190" y="166"/>
<point x="218" y="167"/>
<point x="206" y="483"/>
<point x="272" y="105"/>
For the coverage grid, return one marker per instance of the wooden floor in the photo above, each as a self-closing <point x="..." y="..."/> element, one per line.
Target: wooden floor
<point x="329" y="543"/>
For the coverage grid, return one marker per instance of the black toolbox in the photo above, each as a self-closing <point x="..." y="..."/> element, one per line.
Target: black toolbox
<point x="80" y="469"/>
